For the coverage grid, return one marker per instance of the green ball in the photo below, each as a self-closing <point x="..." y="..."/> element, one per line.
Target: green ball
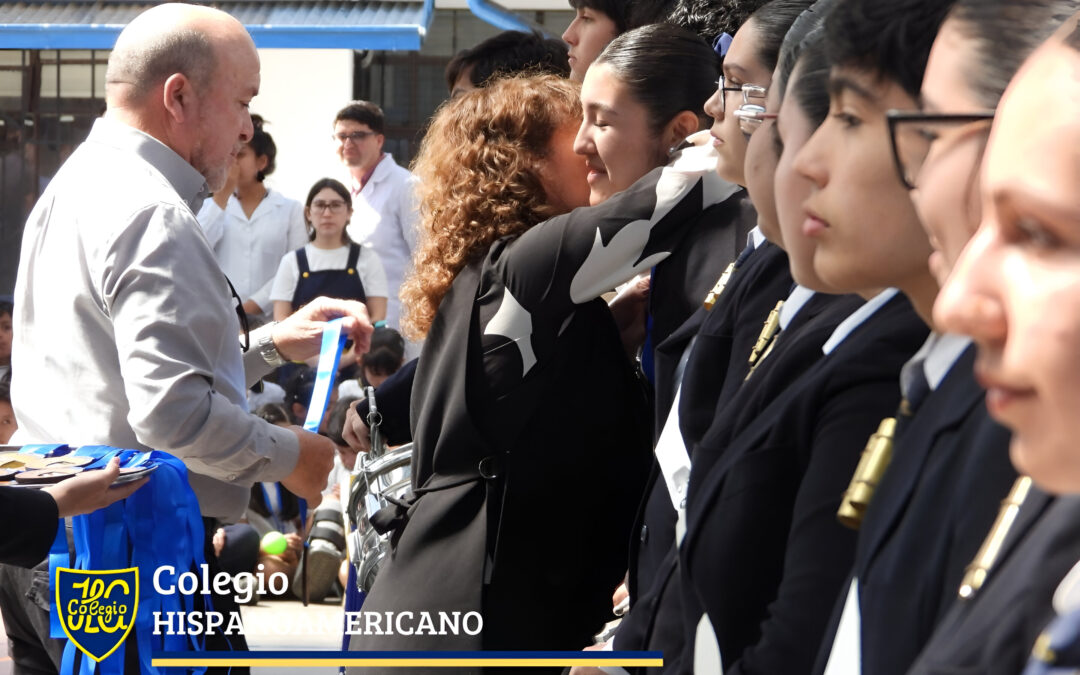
<point x="274" y="543"/>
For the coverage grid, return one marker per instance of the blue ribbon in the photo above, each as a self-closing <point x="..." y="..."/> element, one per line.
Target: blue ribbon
<point x="333" y="342"/>
<point x="722" y="44"/>
<point x="159" y="524"/>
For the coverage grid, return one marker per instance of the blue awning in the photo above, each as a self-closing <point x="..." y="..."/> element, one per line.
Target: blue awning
<point x="349" y="24"/>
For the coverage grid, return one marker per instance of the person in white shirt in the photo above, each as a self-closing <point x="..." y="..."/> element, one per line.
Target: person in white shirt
<point x="332" y="264"/>
<point x="251" y="227"/>
<point x="383" y="195"/>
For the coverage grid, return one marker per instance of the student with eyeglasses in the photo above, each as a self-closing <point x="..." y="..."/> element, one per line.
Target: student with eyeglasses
<point x="1001" y="272"/>
<point x="331" y="264"/>
<point x="920" y="542"/>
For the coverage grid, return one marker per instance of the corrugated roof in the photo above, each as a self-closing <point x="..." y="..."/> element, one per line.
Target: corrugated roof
<point x="356" y="24"/>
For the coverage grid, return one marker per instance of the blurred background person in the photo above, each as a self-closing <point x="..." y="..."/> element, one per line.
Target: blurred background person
<point x="331" y="264"/>
<point x="504" y="54"/>
<point x="252" y="227"/>
<point x="383" y="203"/>
<point x="598" y="22"/>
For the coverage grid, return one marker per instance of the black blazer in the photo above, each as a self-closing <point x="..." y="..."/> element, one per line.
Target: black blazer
<point x="730" y="328"/>
<point x="931" y="512"/>
<point x="30" y="520"/>
<point x="764" y="555"/>
<point x="680" y="281"/>
<point x="722" y="337"/>
<point x="656" y="618"/>
<point x="993" y="632"/>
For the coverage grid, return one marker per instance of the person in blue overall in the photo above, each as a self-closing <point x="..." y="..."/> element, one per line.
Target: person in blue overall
<point x="331" y="264"/>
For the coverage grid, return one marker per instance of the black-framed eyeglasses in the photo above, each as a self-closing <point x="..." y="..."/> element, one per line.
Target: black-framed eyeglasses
<point x="749" y="91"/>
<point x="751" y="116"/>
<point x="355" y="136"/>
<point x="335" y="206"/>
<point x="242" y="315"/>
<point x="912" y="133"/>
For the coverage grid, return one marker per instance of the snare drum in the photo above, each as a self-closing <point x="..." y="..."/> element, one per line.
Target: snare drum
<point x="379" y="476"/>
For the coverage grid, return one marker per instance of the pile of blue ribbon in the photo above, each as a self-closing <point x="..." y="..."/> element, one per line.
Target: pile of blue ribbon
<point x="158" y="525"/>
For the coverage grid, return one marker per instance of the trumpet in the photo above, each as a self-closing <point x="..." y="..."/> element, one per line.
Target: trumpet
<point x="872" y="465"/>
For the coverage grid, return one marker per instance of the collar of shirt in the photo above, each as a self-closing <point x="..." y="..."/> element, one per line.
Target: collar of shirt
<point x="857" y="318"/>
<point x="358" y="187"/>
<point x="1067" y="596"/>
<point x="188" y="183"/>
<point x="938" y="354"/>
<point x="800" y="295"/>
<point x="755" y="237"/>
<point x="272" y="200"/>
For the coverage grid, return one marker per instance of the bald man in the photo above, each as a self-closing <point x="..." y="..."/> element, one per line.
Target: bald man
<point x="125" y="328"/>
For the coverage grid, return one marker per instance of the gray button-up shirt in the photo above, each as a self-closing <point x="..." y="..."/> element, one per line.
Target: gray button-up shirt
<point x="125" y="330"/>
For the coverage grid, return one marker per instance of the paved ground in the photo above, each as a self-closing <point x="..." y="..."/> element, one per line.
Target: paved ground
<point x="288" y="625"/>
<point x="277" y="625"/>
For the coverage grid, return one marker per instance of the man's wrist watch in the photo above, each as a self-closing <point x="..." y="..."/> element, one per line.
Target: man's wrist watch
<point x="265" y="346"/>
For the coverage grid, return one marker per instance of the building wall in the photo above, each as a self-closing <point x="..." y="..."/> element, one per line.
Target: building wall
<point x="49" y="99"/>
<point x="301" y="90"/>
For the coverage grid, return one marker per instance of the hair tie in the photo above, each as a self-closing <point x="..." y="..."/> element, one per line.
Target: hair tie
<point x="721" y="44"/>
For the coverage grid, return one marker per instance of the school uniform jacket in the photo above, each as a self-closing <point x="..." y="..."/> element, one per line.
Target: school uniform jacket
<point x="680" y="282"/>
<point x="993" y="632"/>
<point x="939" y="497"/>
<point x="658" y="622"/>
<point x="722" y="338"/>
<point x="764" y="556"/>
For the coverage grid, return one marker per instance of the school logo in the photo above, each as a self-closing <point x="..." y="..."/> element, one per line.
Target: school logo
<point x="97" y="607"/>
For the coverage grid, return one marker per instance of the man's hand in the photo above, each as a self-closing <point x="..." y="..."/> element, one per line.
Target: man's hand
<point x="308" y="477"/>
<point x="299" y="336"/>
<point x="355" y="432"/>
<point x="91" y="490"/>
<point x="252" y="307"/>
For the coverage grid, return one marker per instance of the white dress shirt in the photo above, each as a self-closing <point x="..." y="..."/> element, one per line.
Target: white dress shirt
<point x="250" y="249"/>
<point x="384" y="216"/>
<point x="937" y="356"/>
<point x="125" y="330"/>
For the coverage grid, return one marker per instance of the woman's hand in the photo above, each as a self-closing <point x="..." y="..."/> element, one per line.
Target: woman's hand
<point x="629" y="308"/>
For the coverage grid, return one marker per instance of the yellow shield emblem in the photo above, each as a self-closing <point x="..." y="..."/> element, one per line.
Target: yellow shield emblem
<point x="97" y="607"/>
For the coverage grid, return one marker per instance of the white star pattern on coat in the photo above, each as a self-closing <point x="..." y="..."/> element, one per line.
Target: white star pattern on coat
<point x="514" y="322"/>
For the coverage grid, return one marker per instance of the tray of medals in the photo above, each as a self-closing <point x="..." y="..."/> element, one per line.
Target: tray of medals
<point x="25" y="469"/>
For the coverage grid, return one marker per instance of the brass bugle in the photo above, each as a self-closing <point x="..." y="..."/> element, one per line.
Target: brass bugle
<point x="872" y="465"/>
<point x="772" y="324"/>
<point x="718" y="289"/>
<point x="975" y="574"/>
